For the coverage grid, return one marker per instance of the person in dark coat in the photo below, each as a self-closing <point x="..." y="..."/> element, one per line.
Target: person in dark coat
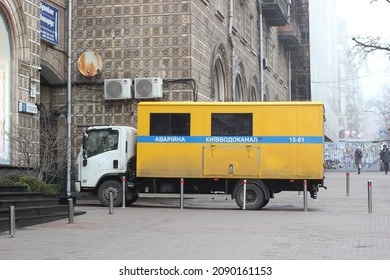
<point x="385" y="157"/>
<point x="358" y="159"/>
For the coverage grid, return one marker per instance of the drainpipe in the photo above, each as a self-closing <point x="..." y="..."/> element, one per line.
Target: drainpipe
<point x="230" y="35"/>
<point x="261" y="54"/>
<point x="69" y="100"/>
<point x="289" y="55"/>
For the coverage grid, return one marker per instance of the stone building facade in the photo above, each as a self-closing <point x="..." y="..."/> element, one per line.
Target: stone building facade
<point x="203" y="50"/>
<point x="19" y="82"/>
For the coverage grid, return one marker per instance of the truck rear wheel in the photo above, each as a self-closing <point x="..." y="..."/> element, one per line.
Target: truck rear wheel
<point x="255" y="198"/>
<point x="104" y="193"/>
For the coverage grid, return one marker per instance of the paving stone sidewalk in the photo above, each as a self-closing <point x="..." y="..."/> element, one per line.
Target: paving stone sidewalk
<point x="335" y="227"/>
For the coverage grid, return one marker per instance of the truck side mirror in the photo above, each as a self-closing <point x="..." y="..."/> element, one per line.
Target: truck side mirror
<point x="84" y="142"/>
<point x="85" y="162"/>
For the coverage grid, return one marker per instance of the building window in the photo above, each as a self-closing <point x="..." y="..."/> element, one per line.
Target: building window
<point x="231" y="124"/>
<point x="239" y="88"/>
<point x="167" y="124"/>
<point x="219" y="9"/>
<point x="219" y="81"/>
<point x="242" y="15"/>
<point x="5" y="92"/>
<point x="252" y="95"/>
<point x="219" y="74"/>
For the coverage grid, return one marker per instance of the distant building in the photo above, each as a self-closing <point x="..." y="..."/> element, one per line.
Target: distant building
<point x="324" y="61"/>
<point x="349" y="94"/>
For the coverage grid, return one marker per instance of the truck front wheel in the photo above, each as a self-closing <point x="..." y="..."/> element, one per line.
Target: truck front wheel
<point x="255" y="198"/>
<point x="104" y="193"/>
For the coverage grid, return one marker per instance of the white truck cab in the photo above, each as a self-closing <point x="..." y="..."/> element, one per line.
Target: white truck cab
<point x="103" y="158"/>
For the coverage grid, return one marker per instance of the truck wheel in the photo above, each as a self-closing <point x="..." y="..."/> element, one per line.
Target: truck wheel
<point x="254" y="197"/>
<point x="133" y="199"/>
<point x="265" y="203"/>
<point x="104" y="193"/>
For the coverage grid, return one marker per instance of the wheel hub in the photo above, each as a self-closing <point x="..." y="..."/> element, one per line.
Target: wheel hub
<point x="114" y="192"/>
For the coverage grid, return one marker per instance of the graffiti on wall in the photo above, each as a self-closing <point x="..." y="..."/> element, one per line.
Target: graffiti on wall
<point x="340" y="156"/>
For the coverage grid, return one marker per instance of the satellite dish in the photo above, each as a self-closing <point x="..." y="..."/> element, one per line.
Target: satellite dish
<point x="89" y="64"/>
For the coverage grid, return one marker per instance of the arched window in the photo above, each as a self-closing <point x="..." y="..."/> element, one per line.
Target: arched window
<point x="219" y="81"/>
<point x="239" y="88"/>
<point x="219" y="74"/>
<point x="266" y="94"/>
<point x="5" y="92"/>
<point x="253" y="91"/>
<point x="252" y="95"/>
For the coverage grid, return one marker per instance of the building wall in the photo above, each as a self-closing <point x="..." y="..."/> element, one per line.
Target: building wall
<point x="179" y="41"/>
<point x="276" y="72"/>
<point x="169" y="39"/>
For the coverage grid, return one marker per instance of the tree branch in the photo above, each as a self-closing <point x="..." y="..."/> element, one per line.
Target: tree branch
<point x="372" y="44"/>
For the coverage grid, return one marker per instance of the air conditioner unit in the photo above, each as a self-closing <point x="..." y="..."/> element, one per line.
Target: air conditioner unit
<point x="148" y="88"/>
<point x="117" y="89"/>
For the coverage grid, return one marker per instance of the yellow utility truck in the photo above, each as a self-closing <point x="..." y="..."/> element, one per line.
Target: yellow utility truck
<point x="213" y="146"/>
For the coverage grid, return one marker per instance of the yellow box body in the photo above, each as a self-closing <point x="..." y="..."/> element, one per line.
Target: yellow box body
<point x="287" y="142"/>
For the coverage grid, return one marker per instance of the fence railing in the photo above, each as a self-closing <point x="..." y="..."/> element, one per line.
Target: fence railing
<point x="340" y="156"/>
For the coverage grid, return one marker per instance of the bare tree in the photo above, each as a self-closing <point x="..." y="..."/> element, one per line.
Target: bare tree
<point x="40" y="152"/>
<point x="26" y="145"/>
<point x="383" y="106"/>
<point x="367" y="45"/>
<point x="52" y="141"/>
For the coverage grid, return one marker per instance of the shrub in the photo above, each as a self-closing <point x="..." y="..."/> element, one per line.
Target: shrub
<point x="51" y="190"/>
<point x="26" y="186"/>
<point x="12" y="176"/>
<point x="6" y="182"/>
<point x="31" y="184"/>
<point x="35" y="184"/>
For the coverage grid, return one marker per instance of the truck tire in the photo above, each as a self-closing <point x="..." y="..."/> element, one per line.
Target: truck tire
<point x="104" y="193"/>
<point x="133" y="199"/>
<point x="255" y="198"/>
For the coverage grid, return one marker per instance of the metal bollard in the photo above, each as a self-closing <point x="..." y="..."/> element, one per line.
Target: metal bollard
<point x="124" y="192"/>
<point x="244" y="197"/>
<point x="347" y="182"/>
<point x="111" y="206"/>
<point x="70" y="211"/>
<point x="11" y="221"/>
<point x="305" y="195"/>
<point x="181" y="194"/>
<point x="369" y="186"/>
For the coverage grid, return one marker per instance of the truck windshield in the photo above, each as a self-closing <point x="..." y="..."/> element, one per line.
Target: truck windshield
<point x="100" y="141"/>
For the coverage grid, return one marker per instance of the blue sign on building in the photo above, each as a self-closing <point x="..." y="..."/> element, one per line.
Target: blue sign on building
<point x="49" y="23"/>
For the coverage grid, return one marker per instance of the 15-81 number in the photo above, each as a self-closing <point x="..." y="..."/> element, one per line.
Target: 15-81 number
<point x="297" y="139"/>
<point x="242" y="270"/>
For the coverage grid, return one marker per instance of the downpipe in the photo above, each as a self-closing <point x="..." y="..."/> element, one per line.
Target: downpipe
<point x="230" y="36"/>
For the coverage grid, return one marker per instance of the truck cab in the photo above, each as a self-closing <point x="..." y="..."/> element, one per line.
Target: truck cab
<point x="103" y="160"/>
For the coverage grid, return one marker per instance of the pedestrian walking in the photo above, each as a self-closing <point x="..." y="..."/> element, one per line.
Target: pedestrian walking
<point x="385" y="157"/>
<point x="358" y="159"/>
